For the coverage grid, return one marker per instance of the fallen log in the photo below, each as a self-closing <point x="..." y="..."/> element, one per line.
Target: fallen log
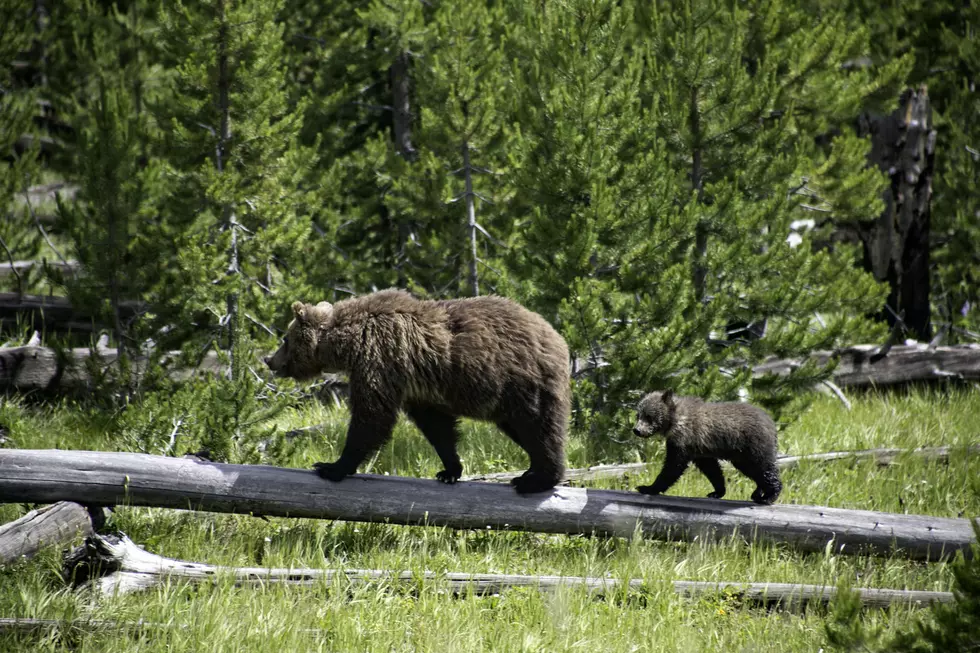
<point x="134" y="569"/>
<point x="33" y="368"/>
<point x="903" y="364"/>
<point x="882" y="456"/>
<point x="53" y="313"/>
<point x="109" y="478"/>
<point x="55" y="524"/>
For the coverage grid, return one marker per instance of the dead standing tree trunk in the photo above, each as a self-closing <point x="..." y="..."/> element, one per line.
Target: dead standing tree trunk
<point x="401" y="120"/>
<point x="896" y="244"/>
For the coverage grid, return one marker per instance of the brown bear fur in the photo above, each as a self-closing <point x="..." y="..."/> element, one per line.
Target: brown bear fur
<point x="702" y="433"/>
<point x="485" y="358"/>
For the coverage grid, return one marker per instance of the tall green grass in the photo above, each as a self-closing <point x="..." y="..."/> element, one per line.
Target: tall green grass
<point x="335" y="617"/>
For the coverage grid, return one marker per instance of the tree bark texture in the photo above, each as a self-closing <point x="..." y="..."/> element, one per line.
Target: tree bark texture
<point x="896" y="244"/>
<point x="107" y="478"/>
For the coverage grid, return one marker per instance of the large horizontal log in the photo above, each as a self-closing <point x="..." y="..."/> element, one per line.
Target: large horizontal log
<point x="53" y="313"/>
<point x="882" y="456"/>
<point x="902" y="364"/>
<point x="32" y="368"/>
<point x="59" y="523"/>
<point x="134" y="569"/>
<point x="98" y="478"/>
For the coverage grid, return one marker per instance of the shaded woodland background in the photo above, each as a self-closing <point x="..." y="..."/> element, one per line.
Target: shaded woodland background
<point x="683" y="189"/>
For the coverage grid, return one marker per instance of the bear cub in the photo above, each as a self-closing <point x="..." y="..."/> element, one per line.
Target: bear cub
<point x="485" y="358"/>
<point x="700" y="432"/>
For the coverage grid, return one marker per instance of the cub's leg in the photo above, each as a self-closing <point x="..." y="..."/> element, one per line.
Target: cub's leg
<point x="675" y="465"/>
<point x="766" y="477"/>
<point x="439" y="428"/>
<point x="710" y="468"/>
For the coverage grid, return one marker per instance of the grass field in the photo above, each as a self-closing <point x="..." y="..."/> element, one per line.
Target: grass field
<point x="379" y="617"/>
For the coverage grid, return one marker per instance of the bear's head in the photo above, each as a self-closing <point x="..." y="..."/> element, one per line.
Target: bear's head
<point x="655" y="414"/>
<point x="297" y="357"/>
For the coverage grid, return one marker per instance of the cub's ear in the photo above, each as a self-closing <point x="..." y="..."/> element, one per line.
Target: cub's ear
<point x="668" y="396"/>
<point x="324" y="305"/>
<point x="300" y="310"/>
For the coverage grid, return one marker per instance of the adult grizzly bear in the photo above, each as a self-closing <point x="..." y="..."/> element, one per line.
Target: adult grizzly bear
<point x="701" y="432"/>
<point x="486" y="358"/>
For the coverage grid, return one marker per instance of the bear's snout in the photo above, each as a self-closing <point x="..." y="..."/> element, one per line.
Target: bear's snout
<point x="637" y="431"/>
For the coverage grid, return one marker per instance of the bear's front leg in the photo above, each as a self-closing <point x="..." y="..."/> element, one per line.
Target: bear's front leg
<point x="368" y="431"/>
<point x="675" y="465"/>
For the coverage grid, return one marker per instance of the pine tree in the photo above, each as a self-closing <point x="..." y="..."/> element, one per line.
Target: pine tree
<point x="103" y="93"/>
<point x="230" y="145"/>
<point x="241" y="245"/>
<point x="669" y="150"/>
<point x="19" y="142"/>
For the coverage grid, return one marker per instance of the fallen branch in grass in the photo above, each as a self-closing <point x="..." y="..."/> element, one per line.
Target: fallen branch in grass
<point x="132" y="569"/>
<point x="108" y="478"/>
<point x="883" y="456"/>
<point x="59" y="523"/>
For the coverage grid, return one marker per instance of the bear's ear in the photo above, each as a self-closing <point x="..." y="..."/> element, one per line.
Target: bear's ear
<point x="299" y="310"/>
<point x="324" y="305"/>
<point x="668" y="396"/>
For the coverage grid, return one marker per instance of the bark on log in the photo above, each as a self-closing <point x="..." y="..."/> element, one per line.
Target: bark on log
<point x="99" y="478"/>
<point x="903" y="364"/>
<point x="33" y="368"/>
<point x="883" y="456"/>
<point x="134" y="569"/>
<point x="59" y="523"/>
<point x="53" y="313"/>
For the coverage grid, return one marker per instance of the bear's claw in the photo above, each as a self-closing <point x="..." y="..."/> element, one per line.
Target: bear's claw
<point x="330" y="471"/>
<point x="530" y="483"/>
<point x="647" y="489"/>
<point x="716" y="495"/>
<point x="447" y="478"/>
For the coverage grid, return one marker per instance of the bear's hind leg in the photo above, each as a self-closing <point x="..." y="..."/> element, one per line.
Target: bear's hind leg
<point x="766" y="477"/>
<point x="710" y="468"/>
<point x="439" y="428"/>
<point x="543" y="438"/>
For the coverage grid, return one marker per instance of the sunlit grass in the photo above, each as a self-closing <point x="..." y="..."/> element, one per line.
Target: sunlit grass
<point x="385" y="617"/>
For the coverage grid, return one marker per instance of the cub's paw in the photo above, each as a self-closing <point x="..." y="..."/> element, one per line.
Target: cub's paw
<point x="716" y="495"/>
<point x="330" y="471"/>
<point x="647" y="489"/>
<point x="447" y="478"/>
<point x="517" y="479"/>
<point x="531" y="483"/>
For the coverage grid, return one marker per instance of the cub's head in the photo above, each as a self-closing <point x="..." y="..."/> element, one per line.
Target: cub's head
<point x="296" y="358"/>
<point x="655" y="414"/>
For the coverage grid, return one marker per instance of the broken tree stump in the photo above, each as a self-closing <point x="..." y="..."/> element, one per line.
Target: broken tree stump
<point x="109" y="478"/>
<point x="59" y="523"/>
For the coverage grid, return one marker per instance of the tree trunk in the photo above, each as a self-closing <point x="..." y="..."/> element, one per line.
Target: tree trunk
<point x="896" y="244"/>
<point x="471" y="220"/>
